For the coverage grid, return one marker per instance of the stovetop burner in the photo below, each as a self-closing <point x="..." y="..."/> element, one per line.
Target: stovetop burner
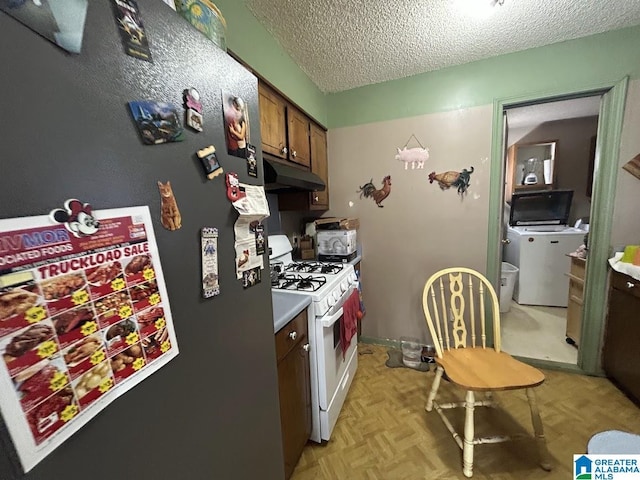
<point x="314" y="267"/>
<point x="292" y="281"/>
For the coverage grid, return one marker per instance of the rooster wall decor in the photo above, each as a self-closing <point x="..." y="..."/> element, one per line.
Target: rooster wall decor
<point x="445" y="180"/>
<point x="378" y="195"/>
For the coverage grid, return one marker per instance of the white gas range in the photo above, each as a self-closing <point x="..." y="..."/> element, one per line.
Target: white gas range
<point x="331" y="370"/>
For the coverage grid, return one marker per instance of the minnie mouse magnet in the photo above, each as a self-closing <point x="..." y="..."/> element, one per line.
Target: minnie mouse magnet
<point x="77" y="218"/>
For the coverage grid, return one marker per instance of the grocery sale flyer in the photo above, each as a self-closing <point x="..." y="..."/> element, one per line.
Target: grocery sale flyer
<point x="83" y="319"/>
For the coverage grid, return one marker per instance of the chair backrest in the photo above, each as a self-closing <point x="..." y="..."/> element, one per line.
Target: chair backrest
<point x="458" y="303"/>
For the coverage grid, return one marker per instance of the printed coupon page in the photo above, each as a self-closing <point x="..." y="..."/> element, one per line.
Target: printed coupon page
<point x="249" y="232"/>
<point x="82" y="320"/>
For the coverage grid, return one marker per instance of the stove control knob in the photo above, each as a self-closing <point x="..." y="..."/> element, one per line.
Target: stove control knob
<point x="330" y="301"/>
<point x="336" y="296"/>
<point x="343" y="286"/>
<point x="354" y="278"/>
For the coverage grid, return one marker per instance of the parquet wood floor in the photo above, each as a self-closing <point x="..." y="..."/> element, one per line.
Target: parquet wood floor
<point x="384" y="433"/>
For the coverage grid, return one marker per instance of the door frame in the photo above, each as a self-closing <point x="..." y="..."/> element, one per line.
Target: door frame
<point x="605" y="178"/>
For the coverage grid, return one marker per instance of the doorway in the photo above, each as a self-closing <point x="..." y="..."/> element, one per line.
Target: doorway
<point x="549" y="153"/>
<point x="604" y="186"/>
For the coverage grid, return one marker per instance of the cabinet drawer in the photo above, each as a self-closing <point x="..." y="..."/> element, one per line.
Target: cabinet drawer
<point x="286" y="339"/>
<point x="575" y="291"/>
<point x="625" y="283"/>
<point x="578" y="267"/>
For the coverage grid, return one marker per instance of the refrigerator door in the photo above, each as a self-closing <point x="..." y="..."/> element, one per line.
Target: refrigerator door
<point x="67" y="132"/>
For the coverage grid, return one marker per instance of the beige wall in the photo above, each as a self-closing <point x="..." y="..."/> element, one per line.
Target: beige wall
<point x="572" y="157"/>
<point x="626" y="220"/>
<point x="421" y="228"/>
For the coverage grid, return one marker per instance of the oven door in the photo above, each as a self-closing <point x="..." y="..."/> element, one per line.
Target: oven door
<point x="332" y="364"/>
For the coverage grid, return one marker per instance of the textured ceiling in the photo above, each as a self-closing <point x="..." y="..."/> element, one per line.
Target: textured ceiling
<point x="534" y="115"/>
<point x="343" y="44"/>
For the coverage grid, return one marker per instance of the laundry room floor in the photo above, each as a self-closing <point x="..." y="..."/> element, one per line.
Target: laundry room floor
<point x="537" y="332"/>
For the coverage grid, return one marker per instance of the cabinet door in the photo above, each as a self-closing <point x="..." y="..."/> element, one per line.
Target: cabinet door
<point x="621" y="354"/>
<point x="295" y="403"/>
<point x="273" y="123"/>
<point x="298" y="135"/>
<point x="319" y="200"/>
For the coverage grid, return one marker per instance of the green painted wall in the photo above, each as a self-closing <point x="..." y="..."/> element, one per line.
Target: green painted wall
<point x="255" y="46"/>
<point x="570" y="65"/>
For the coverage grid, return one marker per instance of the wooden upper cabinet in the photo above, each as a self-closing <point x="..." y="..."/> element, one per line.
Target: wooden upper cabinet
<point x="319" y="166"/>
<point x="298" y="136"/>
<point x="273" y="121"/>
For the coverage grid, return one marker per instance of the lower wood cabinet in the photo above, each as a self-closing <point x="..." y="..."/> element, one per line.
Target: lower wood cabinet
<point x="292" y="351"/>
<point x="621" y="353"/>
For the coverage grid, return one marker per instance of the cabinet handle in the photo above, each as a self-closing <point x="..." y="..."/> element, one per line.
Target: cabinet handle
<point x="630" y="285"/>
<point x="316" y="198"/>
<point x="506" y="241"/>
<point x="293" y="335"/>
<point x="293" y="154"/>
<point x="305" y="347"/>
<point x="284" y="150"/>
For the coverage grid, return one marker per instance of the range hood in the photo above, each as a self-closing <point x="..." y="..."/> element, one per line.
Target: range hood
<point x="280" y="178"/>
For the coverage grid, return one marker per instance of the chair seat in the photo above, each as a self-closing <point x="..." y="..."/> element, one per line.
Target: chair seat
<point x="483" y="369"/>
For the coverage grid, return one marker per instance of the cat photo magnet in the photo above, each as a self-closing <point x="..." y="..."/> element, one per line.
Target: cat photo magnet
<point x="170" y="216"/>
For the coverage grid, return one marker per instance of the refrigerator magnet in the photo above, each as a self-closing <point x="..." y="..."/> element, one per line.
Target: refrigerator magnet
<point x="43" y="18"/>
<point x="77" y="218"/>
<point x="193" y="109"/>
<point x="210" y="161"/>
<point x="258" y="230"/>
<point x="209" y="254"/>
<point x="236" y="124"/>
<point x="170" y="218"/>
<point x="251" y="277"/>
<point x="234" y="191"/>
<point x="134" y="38"/>
<point x="157" y="122"/>
<point x="252" y="163"/>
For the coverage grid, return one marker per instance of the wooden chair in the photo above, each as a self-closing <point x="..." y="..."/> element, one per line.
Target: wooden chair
<point x="458" y="303"/>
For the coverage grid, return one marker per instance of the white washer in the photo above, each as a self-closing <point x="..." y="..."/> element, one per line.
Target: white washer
<point x="539" y="244"/>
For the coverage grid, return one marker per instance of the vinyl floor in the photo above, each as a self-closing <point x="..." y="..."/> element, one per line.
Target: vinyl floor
<point x="384" y="433"/>
<point x="537" y="332"/>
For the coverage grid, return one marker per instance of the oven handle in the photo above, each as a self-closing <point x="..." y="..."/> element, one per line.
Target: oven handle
<point x="336" y="311"/>
<point x="328" y="320"/>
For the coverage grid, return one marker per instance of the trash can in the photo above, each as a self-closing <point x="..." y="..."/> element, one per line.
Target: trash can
<point x="508" y="278"/>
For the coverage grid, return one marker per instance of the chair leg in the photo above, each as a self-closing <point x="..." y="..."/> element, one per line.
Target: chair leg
<point x="434" y="388"/>
<point x="467" y="450"/>
<point x="545" y="458"/>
